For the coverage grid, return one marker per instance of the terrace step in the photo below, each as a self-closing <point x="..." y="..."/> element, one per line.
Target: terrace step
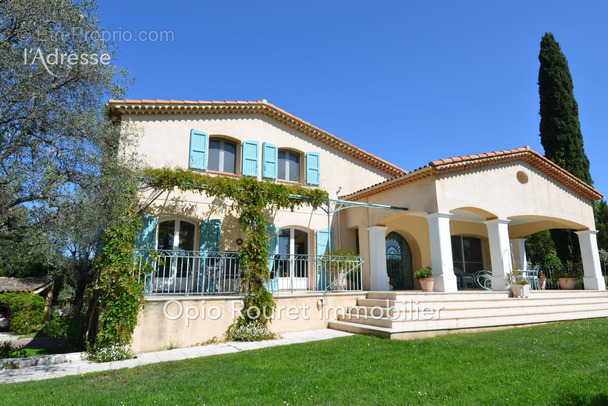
<point x="403" y="315"/>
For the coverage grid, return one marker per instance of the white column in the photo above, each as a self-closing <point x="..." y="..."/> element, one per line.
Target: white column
<point x="378" y="276"/>
<point x="592" y="272"/>
<point x="500" y="252"/>
<point x="441" y="252"/>
<point x="518" y="245"/>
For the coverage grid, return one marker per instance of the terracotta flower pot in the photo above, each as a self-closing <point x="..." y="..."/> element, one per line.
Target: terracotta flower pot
<point x="566" y="283"/>
<point x="427" y="284"/>
<point x="543" y="283"/>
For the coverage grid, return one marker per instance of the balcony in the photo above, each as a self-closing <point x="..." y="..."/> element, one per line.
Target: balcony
<point x="220" y="273"/>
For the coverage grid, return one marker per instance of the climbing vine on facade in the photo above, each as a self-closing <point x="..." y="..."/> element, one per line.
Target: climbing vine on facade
<point x="250" y="199"/>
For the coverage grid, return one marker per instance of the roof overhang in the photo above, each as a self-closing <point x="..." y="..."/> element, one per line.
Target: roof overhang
<point x="139" y="107"/>
<point x="463" y="163"/>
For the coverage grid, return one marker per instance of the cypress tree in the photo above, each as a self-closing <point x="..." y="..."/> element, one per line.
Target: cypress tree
<point x="560" y="129"/>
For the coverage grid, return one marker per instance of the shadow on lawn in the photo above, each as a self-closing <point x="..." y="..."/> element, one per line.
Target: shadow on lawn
<point x="581" y="400"/>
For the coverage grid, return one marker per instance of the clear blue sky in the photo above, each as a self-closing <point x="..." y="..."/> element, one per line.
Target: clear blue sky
<point x="409" y="81"/>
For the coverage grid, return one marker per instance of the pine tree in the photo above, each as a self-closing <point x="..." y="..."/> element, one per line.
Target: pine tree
<point x="560" y="129"/>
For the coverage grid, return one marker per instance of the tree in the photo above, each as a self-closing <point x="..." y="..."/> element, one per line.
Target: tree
<point x="51" y="104"/>
<point x="61" y="176"/>
<point x="601" y="224"/>
<point x="560" y="129"/>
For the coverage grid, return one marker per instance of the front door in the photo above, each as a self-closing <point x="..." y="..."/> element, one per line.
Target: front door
<point x="399" y="262"/>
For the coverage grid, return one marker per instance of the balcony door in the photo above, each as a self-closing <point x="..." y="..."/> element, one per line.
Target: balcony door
<point x="176" y="241"/>
<point x="293" y="259"/>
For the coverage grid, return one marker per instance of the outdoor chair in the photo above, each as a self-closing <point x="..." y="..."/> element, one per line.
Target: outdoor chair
<point x="531" y="275"/>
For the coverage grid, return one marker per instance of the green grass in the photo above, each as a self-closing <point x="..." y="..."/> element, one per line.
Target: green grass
<point x="565" y="364"/>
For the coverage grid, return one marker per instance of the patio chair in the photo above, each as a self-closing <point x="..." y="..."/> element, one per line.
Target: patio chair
<point x="463" y="280"/>
<point x="483" y="279"/>
<point x="531" y="275"/>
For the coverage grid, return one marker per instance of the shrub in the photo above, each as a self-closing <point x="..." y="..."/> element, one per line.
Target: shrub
<point x="61" y="327"/>
<point x="27" y="311"/>
<point x="107" y="354"/>
<point x="8" y="351"/>
<point x="252" y="331"/>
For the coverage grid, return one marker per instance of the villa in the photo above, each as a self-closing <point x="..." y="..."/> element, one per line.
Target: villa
<point x="458" y="216"/>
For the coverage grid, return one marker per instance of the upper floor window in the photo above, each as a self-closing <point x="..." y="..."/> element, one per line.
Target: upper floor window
<point x="222" y="155"/>
<point x="289" y="166"/>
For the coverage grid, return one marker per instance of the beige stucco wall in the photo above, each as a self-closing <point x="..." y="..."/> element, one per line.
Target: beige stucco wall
<point x="167" y="322"/>
<point x="497" y="190"/>
<point x="164" y="141"/>
<point x="479" y="194"/>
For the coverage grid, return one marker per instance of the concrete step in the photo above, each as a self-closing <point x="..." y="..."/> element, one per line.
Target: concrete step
<point x="446" y="317"/>
<point x="429" y="329"/>
<point x="479" y="295"/>
<point x="478" y="304"/>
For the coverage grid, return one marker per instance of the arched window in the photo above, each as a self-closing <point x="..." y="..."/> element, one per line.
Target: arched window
<point x="222" y="155"/>
<point x="289" y="167"/>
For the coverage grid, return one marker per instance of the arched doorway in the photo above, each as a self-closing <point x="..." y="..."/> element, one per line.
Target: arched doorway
<point x="399" y="262"/>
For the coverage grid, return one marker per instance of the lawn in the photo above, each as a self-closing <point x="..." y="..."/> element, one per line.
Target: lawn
<point x="565" y="364"/>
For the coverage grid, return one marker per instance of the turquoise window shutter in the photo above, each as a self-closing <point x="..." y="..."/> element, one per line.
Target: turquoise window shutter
<point x="198" y="149"/>
<point x="325" y="241"/>
<point x="324" y="245"/>
<point x="146" y="234"/>
<point x="146" y="240"/>
<point x="270" y="155"/>
<point x="313" y="168"/>
<point x="211" y="234"/>
<point x="273" y="251"/>
<point x="250" y="158"/>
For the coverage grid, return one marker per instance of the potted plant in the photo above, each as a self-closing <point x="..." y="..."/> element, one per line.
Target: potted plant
<point x="391" y="283"/>
<point x="567" y="275"/>
<point x="425" y="276"/>
<point x="542" y="280"/>
<point x="521" y="288"/>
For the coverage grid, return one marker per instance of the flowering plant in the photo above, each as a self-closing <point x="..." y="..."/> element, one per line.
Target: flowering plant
<point x="542" y="275"/>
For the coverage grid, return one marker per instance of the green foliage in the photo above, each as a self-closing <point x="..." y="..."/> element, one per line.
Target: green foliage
<point x="119" y="291"/>
<point x="569" y="270"/>
<point x="540" y="247"/>
<point x="553" y="260"/>
<point x="423" y="273"/>
<point x="27" y="311"/>
<point x="8" y="351"/>
<point x="61" y="327"/>
<point x="601" y="224"/>
<point x="251" y="199"/>
<point x="560" y="129"/>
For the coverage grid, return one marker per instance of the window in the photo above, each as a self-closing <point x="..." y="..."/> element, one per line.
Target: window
<point x="289" y="166"/>
<point x="467" y="253"/>
<point x="222" y="155"/>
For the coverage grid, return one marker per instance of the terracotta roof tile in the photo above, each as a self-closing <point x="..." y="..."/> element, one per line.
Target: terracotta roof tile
<point x="22" y="284"/>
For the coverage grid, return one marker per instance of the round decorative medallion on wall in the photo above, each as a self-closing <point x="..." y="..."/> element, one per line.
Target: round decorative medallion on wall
<point x="522" y="177"/>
